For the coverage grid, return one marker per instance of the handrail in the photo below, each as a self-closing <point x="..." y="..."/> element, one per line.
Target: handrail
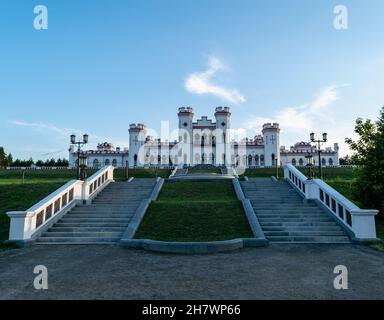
<point x="25" y="224"/>
<point x="361" y="222"/>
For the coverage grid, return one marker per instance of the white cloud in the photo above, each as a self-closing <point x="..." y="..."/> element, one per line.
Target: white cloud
<point x="202" y="83"/>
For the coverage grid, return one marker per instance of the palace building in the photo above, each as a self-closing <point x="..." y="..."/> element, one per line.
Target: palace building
<point x="205" y="142"/>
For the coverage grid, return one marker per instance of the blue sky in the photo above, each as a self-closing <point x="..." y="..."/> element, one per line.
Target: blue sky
<point x="104" y="64"/>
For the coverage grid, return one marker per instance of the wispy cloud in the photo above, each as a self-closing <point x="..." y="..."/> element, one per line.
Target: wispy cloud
<point x="302" y="117"/>
<point x="65" y="132"/>
<point x="203" y="83"/>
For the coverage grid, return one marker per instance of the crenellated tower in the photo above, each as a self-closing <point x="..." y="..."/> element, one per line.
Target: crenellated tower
<point x="185" y="116"/>
<point x="271" y="137"/>
<point x="137" y="135"/>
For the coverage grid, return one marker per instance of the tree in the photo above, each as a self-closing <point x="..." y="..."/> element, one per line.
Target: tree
<point x="346" y="160"/>
<point x="369" y="155"/>
<point x="2" y="158"/>
<point x="9" y="160"/>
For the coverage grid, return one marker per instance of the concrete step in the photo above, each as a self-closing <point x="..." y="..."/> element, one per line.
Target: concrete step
<point x="99" y="215"/>
<point x="90" y="220"/>
<point x="75" y="234"/>
<point x="301" y="228"/>
<point x="80" y="228"/>
<point x="76" y="240"/>
<point x="309" y="239"/>
<point x="304" y="233"/>
<point x="90" y="225"/>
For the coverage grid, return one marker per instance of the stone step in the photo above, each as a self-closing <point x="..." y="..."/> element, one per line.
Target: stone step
<point x="76" y="240"/>
<point x="306" y="219"/>
<point x="90" y="225"/>
<point x="304" y="233"/>
<point x="300" y="228"/>
<point x="99" y="215"/>
<point x="100" y="220"/>
<point x="80" y="228"/>
<point x="291" y="216"/>
<point x="313" y="239"/>
<point x="74" y="234"/>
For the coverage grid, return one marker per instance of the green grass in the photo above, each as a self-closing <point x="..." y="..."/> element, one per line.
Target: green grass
<point x="195" y="211"/>
<point x="16" y="196"/>
<point x="203" y="170"/>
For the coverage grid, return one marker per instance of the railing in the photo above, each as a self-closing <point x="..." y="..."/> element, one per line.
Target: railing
<point x="26" y="225"/>
<point x="359" y="221"/>
<point x="295" y="177"/>
<point x="97" y="182"/>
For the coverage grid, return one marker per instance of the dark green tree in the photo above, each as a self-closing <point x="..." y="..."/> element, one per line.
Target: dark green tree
<point x="3" y="157"/>
<point x="369" y="155"/>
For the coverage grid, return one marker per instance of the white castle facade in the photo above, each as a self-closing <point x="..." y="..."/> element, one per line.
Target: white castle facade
<point x="204" y="142"/>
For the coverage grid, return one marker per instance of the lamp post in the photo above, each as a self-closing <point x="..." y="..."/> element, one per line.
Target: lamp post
<point x="126" y="169"/>
<point x="79" y="144"/>
<point x="318" y="144"/>
<point x="83" y="166"/>
<point x="309" y="158"/>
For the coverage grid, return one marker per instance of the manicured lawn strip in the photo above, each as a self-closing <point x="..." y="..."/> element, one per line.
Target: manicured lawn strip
<point x="194" y="221"/>
<point x="195" y="211"/>
<point x="202" y="170"/>
<point x="197" y="191"/>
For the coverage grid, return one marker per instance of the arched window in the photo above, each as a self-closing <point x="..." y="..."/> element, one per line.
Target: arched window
<point x="95" y="163"/>
<point x="323" y="162"/>
<point x="114" y="162"/>
<point x="135" y="160"/>
<point x="107" y="162"/>
<point x="203" y="140"/>
<point x="262" y="160"/>
<point x="203" y="156"/>
<point x="249" y="160"/>
<point x="293" y="161"/>
<point x="330" y="162"/>
<point x="273" y="158"/>
<point x="256" y="160"/>
<point x="197" y="138"/>
<point x="158" y="159"/>
<point x="213" y="158"/>
<point x="301" y="162"/>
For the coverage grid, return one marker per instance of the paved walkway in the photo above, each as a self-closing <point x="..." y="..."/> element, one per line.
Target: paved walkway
<point x="113" y="272"/>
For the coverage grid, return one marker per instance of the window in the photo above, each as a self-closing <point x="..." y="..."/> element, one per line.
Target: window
<point x="256" y="160"/>
<point x="293" y="161"/>
<point x="107" y="162"/>
<point x="95" y="163"/>
<point x="301" y="162"/>
<point x="330" y="162"/>
<point x="323" y="162"/>
<point x="249" y="160"/>
<point x="197" y="138"/>
<point x="114" y="162"/>
<point x="262" y="160"/>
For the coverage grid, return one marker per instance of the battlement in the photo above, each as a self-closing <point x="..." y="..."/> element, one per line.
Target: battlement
<point x="137" y="127"/>
<point x="269" y="125"/>
<point x="222" y="110"/>
<point x="186" y="110"/>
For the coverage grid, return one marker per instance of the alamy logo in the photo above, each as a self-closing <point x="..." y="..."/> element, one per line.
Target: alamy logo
<point x="41" y="280"/>
<point x="341" y="20"/>
<point x="341" y="280"/>
<point x="41" y="20"/>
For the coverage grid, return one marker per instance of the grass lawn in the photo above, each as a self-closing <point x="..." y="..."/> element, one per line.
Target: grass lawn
<point x="16" y="196"/>
<point x="195" y="211"/>
<point x="203" y="170"/>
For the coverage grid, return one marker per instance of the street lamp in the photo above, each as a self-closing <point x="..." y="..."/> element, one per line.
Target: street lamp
<point x="126" y="169"/>
<point x="318" y="144"/>
<point x="79" y="144"/>
<point x="83" y="165"/>
<point x="309" y="158"/>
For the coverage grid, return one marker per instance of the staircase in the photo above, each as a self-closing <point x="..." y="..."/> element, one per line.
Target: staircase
<point x="284" y="217"/>
<point x="105" y="220"/>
